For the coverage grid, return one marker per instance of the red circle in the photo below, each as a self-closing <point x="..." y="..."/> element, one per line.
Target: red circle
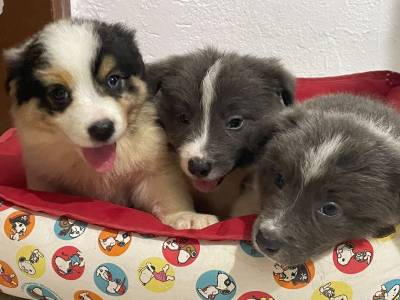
<point x="353" y="256"/>
<point x="255" y="295"/>
<point x="68" y="263"/>
<point x="181" y="252"/>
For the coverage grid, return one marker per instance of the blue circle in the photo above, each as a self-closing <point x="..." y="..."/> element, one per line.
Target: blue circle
<point x="68" y="229"/>
<point x="392" y="284"/>
<point x="111" y="280"/>
<point x="208" y="281"/>
<point x="39" y="291"/>
<point x="248" y="248"/>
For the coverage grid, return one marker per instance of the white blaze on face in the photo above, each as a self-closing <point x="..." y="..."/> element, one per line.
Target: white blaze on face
<point x="316" y="158"/>
<point x="196" y="148"/>
<point x="73" y="48"/>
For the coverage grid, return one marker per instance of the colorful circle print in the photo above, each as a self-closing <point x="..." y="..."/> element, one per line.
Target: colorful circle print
<point x="255" y="296"/>
<point x="156" y="275"/>
<point x="19" y="225"/>
<point x="333" y="290"/>
<point x="68" y="263"/>
<point x="86" y="295"/>
<point x="181" y="252"/>
<point x="111" y="280"/>
<point x="39" y="291"/>
<point x="8" y="278"/>
<point x="248" y="248"/>
<point x="68" y="229"/>
<point x="31" y="261"/>
<point x="113" y="242"/>
<point x="389" y="290"/>
<point x="294" y="277"/>
<point x="216" y="285"/>
<point x="353" y="256"/>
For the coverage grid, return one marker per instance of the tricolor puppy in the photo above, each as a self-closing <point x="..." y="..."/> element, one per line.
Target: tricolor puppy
<point x="330" y="173"/>
<point x="85" y="124"/>
<point x="209" y="103"/>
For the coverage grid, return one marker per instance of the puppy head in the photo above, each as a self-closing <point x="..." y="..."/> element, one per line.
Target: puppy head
<point x="323" y="179"/>
<point x="209" y="102"/>
<point x="78" y="79"/>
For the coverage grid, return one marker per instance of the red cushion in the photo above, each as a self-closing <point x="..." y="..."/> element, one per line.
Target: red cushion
<point x="382" y="84"/>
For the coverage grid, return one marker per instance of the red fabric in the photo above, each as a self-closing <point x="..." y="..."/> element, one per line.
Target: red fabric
<point x="383" y="84"/>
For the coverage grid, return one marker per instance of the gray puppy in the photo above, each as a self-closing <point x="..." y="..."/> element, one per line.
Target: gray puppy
<point x="209" y="103"/>
<point x="330" y="173"/>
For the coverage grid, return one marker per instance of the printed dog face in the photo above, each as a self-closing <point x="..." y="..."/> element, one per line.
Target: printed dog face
<point x="209" y="102"/>
<point x="80" y="80"/>
<point x="327" y="177"/>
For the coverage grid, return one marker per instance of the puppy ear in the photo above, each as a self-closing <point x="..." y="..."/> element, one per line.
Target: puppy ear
<point x="272" y="68"/>
<point x="156" y="73"/>
<point x="14" y="60"/>
<point x="270" y="128"/>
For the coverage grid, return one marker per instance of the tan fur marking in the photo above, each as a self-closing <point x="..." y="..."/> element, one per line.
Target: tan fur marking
<point x="107" y="64"/>
<point x="56" y="75"/>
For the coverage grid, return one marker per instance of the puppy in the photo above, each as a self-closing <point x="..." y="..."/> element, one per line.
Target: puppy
<point x="330" y="173"/>
<point x="85" y="124"/>
<point x="209" y="102"/>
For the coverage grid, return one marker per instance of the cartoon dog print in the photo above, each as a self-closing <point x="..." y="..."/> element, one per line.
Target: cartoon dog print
<point x="345" y="253"/>
<point x="329" y="292"/>
<point x="294" y="274"/>
<point x="114" y="286"/>
<point x="84" y="296"/>
<point x="148" y="272"/>
<point x="121" y="239"/>
<point x="37" y="293"/>
<point x="27" y="264"/>
<point x="8" y="278"/>
<point x="19" y="226"/>
<point x="224" y="286"/>
<point x="384" y="294"/>
<point x="66" y="266"/>
<point x="185" y="250"/>
<point x="70" y="228"/>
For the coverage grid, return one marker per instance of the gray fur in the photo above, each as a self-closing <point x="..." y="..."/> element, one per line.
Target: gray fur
<point x="361" y="175"/>
<point x="251" y="87"/>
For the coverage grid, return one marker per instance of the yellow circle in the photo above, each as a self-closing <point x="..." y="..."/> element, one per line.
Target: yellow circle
<point x="156" y="274"/>
<point x="332" y="290"/>
<point x="31" y="261"/>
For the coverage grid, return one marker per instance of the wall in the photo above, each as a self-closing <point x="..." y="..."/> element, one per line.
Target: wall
<point x="313" y="38"/>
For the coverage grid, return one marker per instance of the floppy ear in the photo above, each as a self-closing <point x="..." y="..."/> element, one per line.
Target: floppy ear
<point x="156" y="73"/>
<point x="14" y="60"/>
<point x="272" y="68"/>
<point x="269" y="128"/>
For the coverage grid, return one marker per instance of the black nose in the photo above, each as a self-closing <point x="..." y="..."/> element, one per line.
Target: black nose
<point x="101" y="130"/>
<point x="199" y="167"/>
<point x="268" y="242"/>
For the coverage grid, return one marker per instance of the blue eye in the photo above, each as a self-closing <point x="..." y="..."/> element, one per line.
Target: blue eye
<point x="329" y="209"/>
<point x="114" y="81"/>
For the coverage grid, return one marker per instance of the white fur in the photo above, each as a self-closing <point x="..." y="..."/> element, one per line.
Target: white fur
<point x="316" y="157"/>
<point x="196" y="147"/>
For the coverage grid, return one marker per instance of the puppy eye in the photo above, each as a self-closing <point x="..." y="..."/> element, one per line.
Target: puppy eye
<point x="114" y="81"/>
<point x="234" y="123"/>
<point x="183" y="118"/>
<point x="329" y="209"/>
<point x="279" y="180"/>
<point x="59" y="94"/>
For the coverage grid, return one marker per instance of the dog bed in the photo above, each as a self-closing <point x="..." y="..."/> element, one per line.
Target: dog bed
<point x="55" y="246"/>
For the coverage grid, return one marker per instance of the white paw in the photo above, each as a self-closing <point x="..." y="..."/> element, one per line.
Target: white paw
<point x="189" y="220"/>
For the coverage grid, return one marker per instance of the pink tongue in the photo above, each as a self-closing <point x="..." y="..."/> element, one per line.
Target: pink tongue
<point x="205" y="186"/>
<point x="101" y="158"/>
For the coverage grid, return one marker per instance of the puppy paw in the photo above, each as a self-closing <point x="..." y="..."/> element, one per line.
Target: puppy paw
<point x="189" y="220"/>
